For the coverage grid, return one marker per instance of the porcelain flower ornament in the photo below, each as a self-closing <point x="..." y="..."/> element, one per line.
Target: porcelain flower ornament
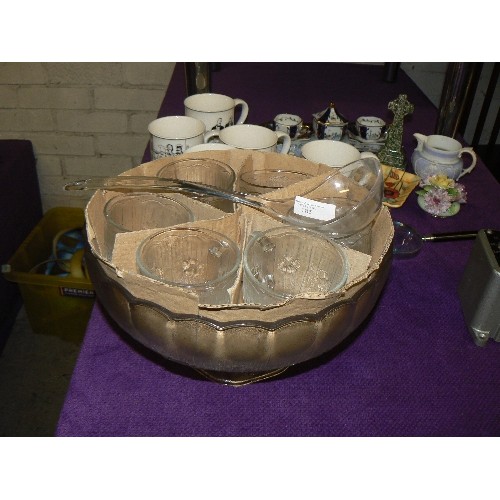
<point x="441" y="196"/>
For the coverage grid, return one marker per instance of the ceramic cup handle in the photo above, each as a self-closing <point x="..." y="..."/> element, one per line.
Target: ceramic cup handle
<point x="286" y="142"/>
<point x="210" y="134"/>
<point x="244" y="110"/>
<point x="469" y="169"/>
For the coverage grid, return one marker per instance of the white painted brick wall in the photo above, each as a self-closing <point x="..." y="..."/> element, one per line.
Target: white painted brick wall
<point x="62" y="144"/>
<point x="49" y="165"/>
<point x="25" y="119"/>
<point x="139" y="122"/>
<point x="94" y="166"/>
<point x="83" y="74"/>
<point x="84" y="119"/>
<point x="23" y="74"/>
<point x="8" y="96"/>
<point x="128" y="99"/>
<point x="147" y="74"/>
<point x="54" y="97"/>
<point x="91" y="121"/>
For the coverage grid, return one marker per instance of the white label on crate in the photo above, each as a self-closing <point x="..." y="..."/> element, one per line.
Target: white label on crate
<point x="313" y="209"/>
<point x="67" y="291"/>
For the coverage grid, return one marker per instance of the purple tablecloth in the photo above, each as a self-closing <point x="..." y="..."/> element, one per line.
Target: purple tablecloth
<point x="411" y="370"/>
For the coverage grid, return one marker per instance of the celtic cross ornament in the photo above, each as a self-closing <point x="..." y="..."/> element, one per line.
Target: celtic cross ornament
<point x="392" y="153"/>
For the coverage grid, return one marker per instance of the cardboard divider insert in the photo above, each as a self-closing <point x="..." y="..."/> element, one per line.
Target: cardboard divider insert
<point x="237" y="226"/>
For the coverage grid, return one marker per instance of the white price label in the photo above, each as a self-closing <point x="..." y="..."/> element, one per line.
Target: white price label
<point x="313" y="209"/>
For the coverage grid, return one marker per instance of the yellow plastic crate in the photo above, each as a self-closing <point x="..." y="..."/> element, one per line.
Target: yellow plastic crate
<point x="54" y="305"/>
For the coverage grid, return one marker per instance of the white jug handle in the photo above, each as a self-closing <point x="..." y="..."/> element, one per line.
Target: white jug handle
<point x="210" y="134"/>
<point x="471" y="152"/>
<point x="244" y="110"/>
<point x="287" y="142"/>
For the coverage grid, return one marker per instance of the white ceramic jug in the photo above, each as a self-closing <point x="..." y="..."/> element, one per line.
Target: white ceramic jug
<point x="439" y="154"/>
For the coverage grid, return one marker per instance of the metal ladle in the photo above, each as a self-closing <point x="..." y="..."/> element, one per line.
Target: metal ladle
<point x="408" y="242"/>
<point x="165" y="185"/>
<point x="277" y="209"/>
<point x="160" y="184"/>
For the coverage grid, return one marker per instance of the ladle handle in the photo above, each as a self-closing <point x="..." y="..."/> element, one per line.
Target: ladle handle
<point x="159" y="184"/>
<point x="460" y="235"/>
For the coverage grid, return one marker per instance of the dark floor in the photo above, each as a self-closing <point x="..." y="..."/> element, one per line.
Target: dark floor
<point x="35" y="371"/>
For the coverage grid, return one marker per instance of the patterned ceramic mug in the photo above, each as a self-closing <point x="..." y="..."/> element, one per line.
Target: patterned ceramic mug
<point x="173" y="135"/>
<point x="216" y="111"/>
<point x="290" y="124"/>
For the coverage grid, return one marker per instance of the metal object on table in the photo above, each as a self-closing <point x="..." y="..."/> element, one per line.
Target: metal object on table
<point x="488" y="156"/>
<point x="460" y="91"/>
<point x="198" y="77"/>
<point x="479" y="288"/>
<point x="391" y="71"/>
<point x="456" y="98"/>
<point x="408" y="242"/>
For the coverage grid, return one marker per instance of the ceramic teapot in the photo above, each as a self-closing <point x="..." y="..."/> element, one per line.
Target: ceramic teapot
<point x="439" y="154"/>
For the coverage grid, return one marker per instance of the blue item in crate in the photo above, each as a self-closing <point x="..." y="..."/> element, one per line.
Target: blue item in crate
<point x="66" y="258"/>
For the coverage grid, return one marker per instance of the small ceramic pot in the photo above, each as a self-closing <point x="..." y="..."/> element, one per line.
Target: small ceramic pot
<point x="289" y="124"/>
<point x="370" y="128"/>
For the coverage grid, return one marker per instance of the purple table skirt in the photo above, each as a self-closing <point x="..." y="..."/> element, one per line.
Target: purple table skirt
<point x="412" y="369"/>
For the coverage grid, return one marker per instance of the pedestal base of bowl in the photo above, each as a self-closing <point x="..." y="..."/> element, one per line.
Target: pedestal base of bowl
<point x="239" y="379"/>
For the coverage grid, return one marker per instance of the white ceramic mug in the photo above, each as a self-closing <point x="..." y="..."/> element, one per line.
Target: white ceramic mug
<point x="332" y="153"/>
<point x="216" y="111"/>
<point x="172" y="135"/>
<point x="254" y="137"/>
<point x="212" y="146"/>
<point x="290" y="124"/>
